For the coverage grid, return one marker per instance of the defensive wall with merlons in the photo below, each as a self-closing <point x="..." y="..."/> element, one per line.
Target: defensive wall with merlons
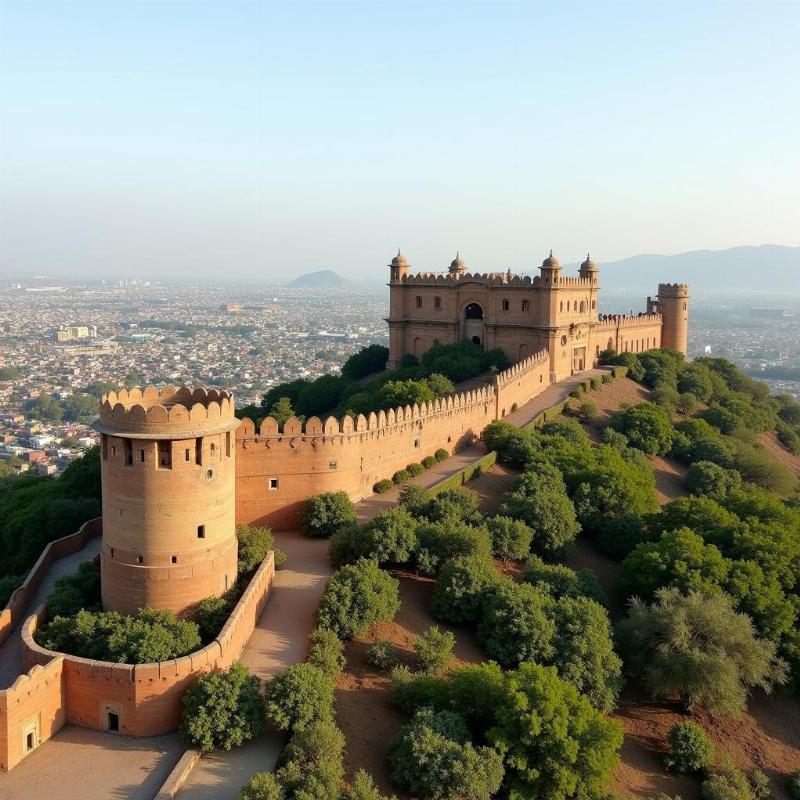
<point x="276" y="471"/>
<point x="135" y="700"/>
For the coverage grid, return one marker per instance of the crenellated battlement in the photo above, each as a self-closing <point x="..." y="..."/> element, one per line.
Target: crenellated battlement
<point x="512" y="373"/>
<point x="487" y="278"/>
<point x="166" y="413"/>
<point x="673" y="289"/>
<point x="627" y="321"/>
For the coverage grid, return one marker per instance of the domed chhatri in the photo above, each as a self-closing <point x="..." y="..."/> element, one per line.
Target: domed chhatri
<point x="551" y="262"/>
<point x="457" y="265"/>
<point x="588" y="265"/>
<point x="399" y="260"/>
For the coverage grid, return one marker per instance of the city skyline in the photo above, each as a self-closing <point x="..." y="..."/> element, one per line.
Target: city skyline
<point x="262" y="139"/>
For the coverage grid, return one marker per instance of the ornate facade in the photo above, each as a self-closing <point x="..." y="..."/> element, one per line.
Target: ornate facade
<point x="524" y="315"/>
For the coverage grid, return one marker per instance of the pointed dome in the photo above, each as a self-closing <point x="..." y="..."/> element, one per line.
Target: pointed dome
<point x="588" y="265"/>
<point x="457" y="264"/>
<point x="399" y="260"/>
<point x="551" y="262"/>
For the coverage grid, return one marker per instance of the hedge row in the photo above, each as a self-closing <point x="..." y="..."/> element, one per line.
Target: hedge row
<point x="410" y="471"/>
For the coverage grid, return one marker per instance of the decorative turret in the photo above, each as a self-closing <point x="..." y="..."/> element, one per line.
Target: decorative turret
<point x="457" y="266"/>
<point x="588" y="269"/>
<point x="673" y="305"/>
<point x="551" y="269"/>
<point x="399" y="267"/>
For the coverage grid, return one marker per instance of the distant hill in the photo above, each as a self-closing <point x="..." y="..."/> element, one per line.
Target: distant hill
<point x="324" y="279"/>
<point x="762" y="268"/>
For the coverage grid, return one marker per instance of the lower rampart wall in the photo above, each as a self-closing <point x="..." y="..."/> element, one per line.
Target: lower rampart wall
<point x="277" y="472"/>
<point x="21" y="597"/>
<point x="60" y="688"/>
<point x="629" y="334"/>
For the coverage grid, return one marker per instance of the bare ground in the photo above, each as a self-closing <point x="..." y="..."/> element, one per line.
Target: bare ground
<point x="780" y="453"/>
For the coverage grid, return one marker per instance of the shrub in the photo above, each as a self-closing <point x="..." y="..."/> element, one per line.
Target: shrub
<point x="262" y="786"/>
<point x="390" y="537"/>
<point x="254" y="544"/>
<point x="560" y="581"/>
<point x="299" y="696"/>
<point x="212" y="613"/>
<point x="686" y="404"/>
<point x="382" y="486"/>
<point x="415" y="469"/>
<point x="363" y="788"/>
<point x="555" y="744"/>
<point x="711" y="480"/>
<point x="434" y="649"/>
<point x="606" y="378"/>
<point x="312" y="762"/>
<point x="647" y="426"/>
<point x="586" y="411"/>
<point x="690" y="749"/>
<point x="382" y="654"/>
<point x="614" y="439"/>
<point x="71" y="593"/>
<point x="794" y="785"/>
<point x="356" y="597"/>
<point x="326" y="652"/>
<point x="514" y="624"/>
<point x="730" y="783"/>
<point x="576" y="392"/>
<point x="452" y="505"/>
<point x="432" y="758"/>
<point x="541" y="502"/>
<point x="110" y="636"/>
<point x="441" y="454"/>
<point x="223" y="709"/>
<point x="401" y="476"/>
<point x="511" y="538"/>
<point x="326" y="513"/>
<point x="441" y="541"/>
<point x="428" y="462"/>
<point x="460" y="587"/>
<point x="698" y="647"/>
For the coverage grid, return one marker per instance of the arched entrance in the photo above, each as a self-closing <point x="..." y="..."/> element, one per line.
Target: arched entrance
<point x="472" y="327"/>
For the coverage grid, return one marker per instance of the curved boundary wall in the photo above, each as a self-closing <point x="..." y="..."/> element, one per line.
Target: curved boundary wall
<point x="21" y="597"/>
<point x="277" y="471"/>
<point x="59" y="688"/>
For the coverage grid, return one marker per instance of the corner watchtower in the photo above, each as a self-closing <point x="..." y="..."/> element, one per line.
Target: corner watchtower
<point x="168" y="469"/>
<point x="673" y="305"/>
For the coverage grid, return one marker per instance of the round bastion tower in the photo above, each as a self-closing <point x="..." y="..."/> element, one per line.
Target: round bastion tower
<point x="168" y="472"/>
<point x="673" y="305"/>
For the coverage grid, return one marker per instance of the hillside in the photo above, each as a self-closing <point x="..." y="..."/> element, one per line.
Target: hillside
<point x="323" y="279"/>
<point x="730" y="270"/>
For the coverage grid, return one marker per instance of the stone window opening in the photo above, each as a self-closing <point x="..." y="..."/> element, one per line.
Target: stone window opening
<point x="437" y="303"/>
<point x="273" y="484"/>
<point x="506" y="305"/>
<point x="187" y="454"/>
<point x="104" y="440"/>
<point x="113" y="450"/>
<point x="213" y="448"/>
<point x="201" y="531"/>
<point x="174" y="559"/>
<point x="419" y="301"/>
<point x="331" y="465"/>
<point x="525" y="305"/>
<point x="165" y="455"/>
<point x="198" y="451"/>
<point x="209" y="474"/>
<point x="140" y="559"/>
<point x="141" y="456"/>
<point x="228" y="444"/>
<point x="128" y="453"/>
<point x="112" y="721"/>
<point x="561" y="306"/>
<point x="417" y="442"/>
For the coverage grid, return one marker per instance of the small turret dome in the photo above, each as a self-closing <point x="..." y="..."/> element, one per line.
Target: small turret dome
<point x="588" y="265"/>
<point x="551" y="262"/>
<point x="399" y="260"/>
<point x="457" y="264"/>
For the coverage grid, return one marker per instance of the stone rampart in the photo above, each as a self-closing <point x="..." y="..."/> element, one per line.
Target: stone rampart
<point x="146" y="698"/>
<point x="277" y="471"/>
<point x="22" y="596"/>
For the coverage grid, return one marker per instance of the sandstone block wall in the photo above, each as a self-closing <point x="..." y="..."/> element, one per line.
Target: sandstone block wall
<point x="278" y="471"/>
<point x="147" y="698"/>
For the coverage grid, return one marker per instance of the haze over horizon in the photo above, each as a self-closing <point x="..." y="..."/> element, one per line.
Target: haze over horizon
<point x="180" y="140"/>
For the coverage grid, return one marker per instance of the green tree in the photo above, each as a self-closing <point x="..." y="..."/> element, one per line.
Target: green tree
<point x="390" y="537"/>
<point x="460" y="587"/>
<point x="449" y="538"/>
<point x="254" y="544"/>
<point x="326" y="652"/>
<point x="511" y="538"/>
<point x="326" y="513"/>
<point x="298" y="697"/>
<point x="556" y="746"/>
<point x="560" y="581"/>
<point x="711" y="480"/>
<point x="281" y="411"/>
<point x="690" y="749"/>
<point x="730" y="783"/>
<point x="697" y="647"/>
<point x="515" y="625"/>
<point x="365" y="362"/>
<point x="433" y="759"/>
<point x="647" y="426"/>
<point x="434" y="649"/>
<point x="356" y="597"/>
<point x="262" y="786"/>
<point x="679" y="558"/>
<point x="363" y="788"/>
<point x="440" y="385"/>
<point x="312" y="766"/>
<point x="223" y="709"/>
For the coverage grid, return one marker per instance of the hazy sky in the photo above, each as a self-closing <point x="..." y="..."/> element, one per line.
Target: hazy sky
<point x="249" y="139"/>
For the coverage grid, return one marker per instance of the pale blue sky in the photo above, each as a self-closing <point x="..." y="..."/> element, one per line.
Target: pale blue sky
<point x="261" y="139"/>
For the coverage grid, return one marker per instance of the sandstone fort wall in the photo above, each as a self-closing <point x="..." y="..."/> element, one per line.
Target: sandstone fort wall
<point x="147" y="698"/>
<point x="278" y="471"/>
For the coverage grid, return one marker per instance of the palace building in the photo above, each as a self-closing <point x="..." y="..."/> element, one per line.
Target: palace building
<point x="524" y="315"/>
